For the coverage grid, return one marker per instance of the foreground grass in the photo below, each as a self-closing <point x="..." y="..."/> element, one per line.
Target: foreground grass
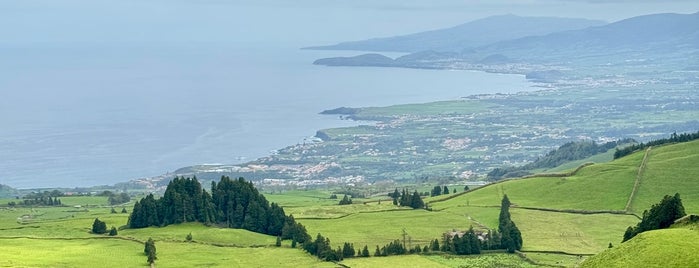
<point x="122" y="253"/>
<point x="488" y="260"/>
<point x="659" y="248"/>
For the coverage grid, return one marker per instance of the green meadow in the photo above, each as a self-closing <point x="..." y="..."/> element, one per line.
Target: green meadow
<point x="549" y="211"/>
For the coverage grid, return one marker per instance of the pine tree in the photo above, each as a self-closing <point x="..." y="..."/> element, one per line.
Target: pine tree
<point x="365" y="251"/>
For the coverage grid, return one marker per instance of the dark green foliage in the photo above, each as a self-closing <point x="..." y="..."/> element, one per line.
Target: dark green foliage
<point x="333" y="196"/>
<point x="150" y="251"/>
<point x="45" y="198"/>
<point x="510" y="236"/>
<point x="320" y="247"/>
<point x="279" y="241"/>
<point x="434" y="245"/>
<point x="346" y="200"/>
<point x="610" y="245"/>
<point x="347" y="250"/>
<point x="233" y="203"/>
<point x="113" y="231"/>
<point x="99" y="227"/>
<point x="189" y="237"/>
<point x="466" y="188"/>
<point x="377" y="252"/>
<point x="445" y="190"/>
<point x="674" y="138"/>
<point x="660" y="216"/>
<point x="436" y="191"/>
<point x="365" y="251"/>
<point x="123" y="210"/>
<point x="393" y="248"/>
<point x="115" y="199"/>
<point x="113" y="211"/>
<point x="565" y="153"/>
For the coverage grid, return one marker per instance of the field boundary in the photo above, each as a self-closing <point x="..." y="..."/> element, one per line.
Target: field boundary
<point x="540" y="175"/>
<point x="637" y="182"/>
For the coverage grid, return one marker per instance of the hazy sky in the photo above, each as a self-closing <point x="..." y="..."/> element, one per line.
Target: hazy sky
<point x="301" y="22"/>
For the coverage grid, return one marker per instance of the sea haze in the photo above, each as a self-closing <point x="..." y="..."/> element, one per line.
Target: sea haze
<point x="99" y="92"/>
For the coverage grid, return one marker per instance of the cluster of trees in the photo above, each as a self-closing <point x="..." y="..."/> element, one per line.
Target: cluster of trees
<point x="570" y="151"/>
<point x="44" y="198"/>
<point x="405" y="199"/>
<point x="320" y="247"/>
<point x="466" y="244"/>
<point x="674" y="138"/>
<point x="437" y="190"/>
<point x="510" y="236"/>
<point x="39" y="201"/>
<point x="345" y="201"/>
<point x="114" y="198"/>
<point x="660" y="216"/>
<point x="100" y="227"/>
<point x="232" y="203"/>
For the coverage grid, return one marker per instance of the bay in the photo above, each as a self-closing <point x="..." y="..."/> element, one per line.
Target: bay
<point x="90" y="100"/>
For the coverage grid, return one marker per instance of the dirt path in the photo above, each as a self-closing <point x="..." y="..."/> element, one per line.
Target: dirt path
<point x="641" y="170"/>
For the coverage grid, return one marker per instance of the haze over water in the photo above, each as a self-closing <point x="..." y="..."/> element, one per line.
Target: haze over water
<point x="99" y="92"/>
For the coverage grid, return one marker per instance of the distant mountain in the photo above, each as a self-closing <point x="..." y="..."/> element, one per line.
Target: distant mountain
<point x="7" y="191"/>
<point x="658" y="42"/>
<point x="649" y="34"/>
<point x="468" y="35"/>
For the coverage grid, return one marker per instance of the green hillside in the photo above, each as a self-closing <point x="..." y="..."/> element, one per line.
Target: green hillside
<point x="577" y="215"/>
<point x="659" y="248"/>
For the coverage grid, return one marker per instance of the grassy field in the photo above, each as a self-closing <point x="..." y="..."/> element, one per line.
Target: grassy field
<point x="658" y="248"/>
<point x="670" y="169"/>
<point x="490" y="260"/>
<point x="60" y="236"/>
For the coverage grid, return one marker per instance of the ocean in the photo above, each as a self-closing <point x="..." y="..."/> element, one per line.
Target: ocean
<point x="86" y="107"/>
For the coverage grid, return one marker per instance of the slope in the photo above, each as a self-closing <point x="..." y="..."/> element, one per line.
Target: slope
<point x="675" y="247"/>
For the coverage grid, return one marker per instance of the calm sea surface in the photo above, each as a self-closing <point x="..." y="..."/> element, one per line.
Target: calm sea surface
<point x="92" y="109"/>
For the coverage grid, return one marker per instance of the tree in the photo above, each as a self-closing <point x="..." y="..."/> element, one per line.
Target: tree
<point x="446" y="190"/>
<point x="346" y="200"/>
<point x="113" y="231"/>
<point x="189" y="237"/>
<point x="99" y="227"/>
<point x="279" y="241"/>
<point x="466" y="188"/>
<point x="511" y="237"/>
<point x="660" y="216"/>
<point x="416" y="201"/>
<point x="436" y="191"/>
<point x="123" y="210"/>
<point x="365" y="251"/>
<point x="150" y="251"/>
<point x="113" y="211"/>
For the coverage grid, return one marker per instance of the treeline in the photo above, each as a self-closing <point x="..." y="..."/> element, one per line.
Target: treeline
<point x="674" y="138"/>
<point x="232" y="203"/>
<point x="44" y="198"/>
<point x="438" y="190"/>
<point x="114" y="198"/>
<point x="570" y="151"/>
<point x="660" y="216"/>
<point x="405" y="199"/>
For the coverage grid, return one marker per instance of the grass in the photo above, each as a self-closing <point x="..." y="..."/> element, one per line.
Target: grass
<point x="380" y="228"/>
<point x="571" y="233"/>
<point x="434" y="108"/>
<point x="489" y="260"/>
<point x="202" y="234"/>
<point x="670" y="169"/>
<point x="24" y="252"/>
<point x="660" y="248"/>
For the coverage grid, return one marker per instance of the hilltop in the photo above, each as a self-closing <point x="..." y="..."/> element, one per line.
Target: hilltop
<point x="468" y="35"/>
